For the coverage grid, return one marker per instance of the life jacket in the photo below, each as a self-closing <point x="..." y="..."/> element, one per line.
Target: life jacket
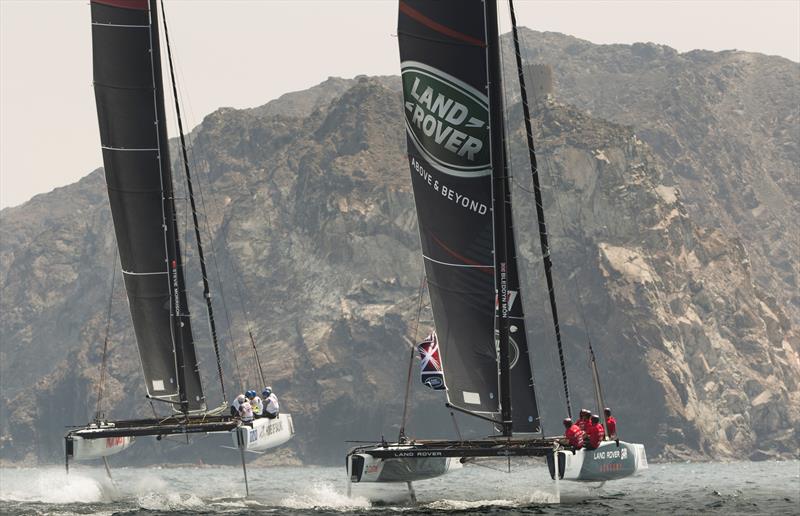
<point x="272" y="405"/>
<point x="258" y="407"/>
<point x="596" y="434"/>
<point x="583" y="424"/>
<point x="611" y="423"/>
<point x="246" y="411"/>
<point x="575" y="436"/>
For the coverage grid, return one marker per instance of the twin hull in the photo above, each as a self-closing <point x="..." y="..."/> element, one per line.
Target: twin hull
<point x="610" y="461"/>
<point x="259" y="435"/>
<point x="262" y="434"/>
<point x="363" y="467"/>
<point x="79" y="448"/>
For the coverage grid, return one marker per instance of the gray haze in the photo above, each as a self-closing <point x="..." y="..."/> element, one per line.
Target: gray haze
<point x="244" y="53"/>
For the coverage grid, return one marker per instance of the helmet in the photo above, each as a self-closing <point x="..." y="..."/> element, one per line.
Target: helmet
<point x="267" y="391"/>
<point x="595" y="418"/>
<point x="240" y="398"/>
<point x="607" y="411"/>
<point x="567" y="421"/>
<point x="250" y="394"/>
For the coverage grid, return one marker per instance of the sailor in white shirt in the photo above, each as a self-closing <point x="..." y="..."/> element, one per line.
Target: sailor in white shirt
<point x="246" y="411"/>
<point x="236" y="403"/>
<point x="255" y="403"/>
<point x="271" y="406"/>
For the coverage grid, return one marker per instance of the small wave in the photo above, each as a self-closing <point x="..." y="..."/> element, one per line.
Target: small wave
<point x="463" y="505"/>
<point x="169" y="501"/>
<point x="324" y="496"/>
<point x="54" y="486"/>
<point x="543" y="497"/>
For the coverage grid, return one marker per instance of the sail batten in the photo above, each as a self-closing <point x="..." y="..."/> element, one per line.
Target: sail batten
<point x="128" y="93"/>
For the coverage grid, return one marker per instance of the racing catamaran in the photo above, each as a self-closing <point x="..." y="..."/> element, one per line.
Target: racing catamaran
<point x="129" y="93"/>
<point x="454" y="117"/>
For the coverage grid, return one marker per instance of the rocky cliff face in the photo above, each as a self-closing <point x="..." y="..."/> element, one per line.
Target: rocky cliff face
<point x="725" y="127"/>
<point x="314" y="229"/>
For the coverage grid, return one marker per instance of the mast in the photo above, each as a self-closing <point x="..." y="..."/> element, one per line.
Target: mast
<point x="500" y="198"/>
<point x="168" y="189"/>
<point x="203" y="272"/>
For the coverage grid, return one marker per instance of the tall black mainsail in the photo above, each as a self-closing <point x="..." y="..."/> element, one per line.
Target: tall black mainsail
<point x="130" y="109"/>
<point x="446" y="60"/>
<point x="455" y="131"/>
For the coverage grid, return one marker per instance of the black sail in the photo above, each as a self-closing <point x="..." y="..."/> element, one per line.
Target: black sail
<point x="444" y="62"/>
<point x="130" y="110"/>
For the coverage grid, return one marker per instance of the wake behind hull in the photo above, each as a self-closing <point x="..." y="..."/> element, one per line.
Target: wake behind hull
<point x="612" y="460"/>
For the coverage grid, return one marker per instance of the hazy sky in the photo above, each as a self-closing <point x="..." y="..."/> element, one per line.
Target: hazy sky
<point x="245" y="53"/>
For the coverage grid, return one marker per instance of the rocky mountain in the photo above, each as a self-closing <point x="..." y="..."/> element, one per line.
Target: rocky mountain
<point x="725" y="127"/>
<point x="312" y="224"/>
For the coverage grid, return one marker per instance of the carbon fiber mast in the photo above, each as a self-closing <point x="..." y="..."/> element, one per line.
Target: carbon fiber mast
<point x="501" y="197"/>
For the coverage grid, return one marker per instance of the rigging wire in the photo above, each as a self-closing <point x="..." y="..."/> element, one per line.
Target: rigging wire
<point x="421" y="292"/>
<point x="100" y="385"/>
<point x="513" y="221"/>
<point x="543" y="237"/>
<point x="215" y="262"/>
<point x="206" y="290"/>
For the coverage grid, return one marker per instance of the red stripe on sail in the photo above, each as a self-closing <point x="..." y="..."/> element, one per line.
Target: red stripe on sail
<point x="140" y="5"/>
<point x="488" y="269"/>
<point x="438" y="27"/>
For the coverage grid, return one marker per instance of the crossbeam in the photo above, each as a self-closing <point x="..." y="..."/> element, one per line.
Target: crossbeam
<point x="176" y="425"/>
<point x="474" y="448"/>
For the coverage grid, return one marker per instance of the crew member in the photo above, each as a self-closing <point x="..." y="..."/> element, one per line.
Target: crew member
<point x="573" y="434"/>
<point x="255" y="403"/>
<point x="583" y="420"/>
<point x="595" y="433"/>
<point x="271" y="406"/>
<point x="245" y="411"/>
<point x="237" y="401"/>
<point x="611" y="424"/>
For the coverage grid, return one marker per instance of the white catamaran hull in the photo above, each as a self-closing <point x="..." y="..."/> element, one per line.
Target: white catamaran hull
<point x="262" y="434"/>
<point x="79" y="448"/>
<point x="363" y="467"/>
<point x="610" y="461"/>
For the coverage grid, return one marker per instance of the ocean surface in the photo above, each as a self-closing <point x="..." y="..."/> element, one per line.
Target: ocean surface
<point x="708" y="488"/>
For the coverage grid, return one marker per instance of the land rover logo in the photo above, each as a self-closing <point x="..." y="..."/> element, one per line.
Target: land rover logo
<point x="447" y="119"/>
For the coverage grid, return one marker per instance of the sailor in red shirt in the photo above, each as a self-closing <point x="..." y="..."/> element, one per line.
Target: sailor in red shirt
<point x="573" y="434"/>
<point x="583" y="420"/>
<point x="611" y="424"/>
<point x="595" y="433"/>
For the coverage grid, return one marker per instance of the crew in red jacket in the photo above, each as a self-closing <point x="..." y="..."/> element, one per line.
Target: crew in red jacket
<point x="583" y="420"/>
<point x="595" y="433"/>
<point x="611" y="424"/>
<point x="573" y="434"/>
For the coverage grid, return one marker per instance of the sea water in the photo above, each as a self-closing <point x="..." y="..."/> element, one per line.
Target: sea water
<point x="687" y="488"/>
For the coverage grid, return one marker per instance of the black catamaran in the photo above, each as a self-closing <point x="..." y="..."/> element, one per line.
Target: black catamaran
<point x="454" y="116"/>
<point x="129" y="93"/>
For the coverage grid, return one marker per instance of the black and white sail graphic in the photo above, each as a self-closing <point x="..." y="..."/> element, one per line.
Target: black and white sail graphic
<point x="444" y="64"/>
<point x="130" y="109"/>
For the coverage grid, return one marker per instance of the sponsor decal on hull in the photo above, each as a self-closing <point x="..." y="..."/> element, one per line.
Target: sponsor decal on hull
<point x="265" y="431"/>
<point x="112" y="442"/>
